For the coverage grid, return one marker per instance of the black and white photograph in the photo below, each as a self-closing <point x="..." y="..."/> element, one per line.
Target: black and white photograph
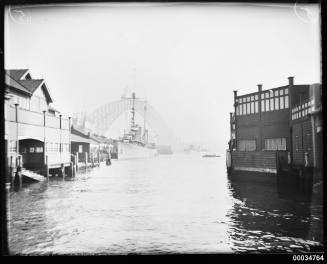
<point x="162" y="128"/>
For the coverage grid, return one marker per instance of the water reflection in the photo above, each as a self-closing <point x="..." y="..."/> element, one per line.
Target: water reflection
<point x="171" y="204"/>
<point x="272" y="215"/>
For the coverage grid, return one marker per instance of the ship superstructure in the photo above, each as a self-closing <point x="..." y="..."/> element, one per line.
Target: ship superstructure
<point x="135" y="143"/>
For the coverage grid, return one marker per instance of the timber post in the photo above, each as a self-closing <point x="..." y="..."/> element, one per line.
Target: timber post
<point x="71" y="169"/>
<point x="46" y="167"/>
<point x="11" y="171"/>
<point x="86" y="159"/>
<point x="62" y="170"/>
<point x="18" y="174"/>
<point x="76" y="160"/>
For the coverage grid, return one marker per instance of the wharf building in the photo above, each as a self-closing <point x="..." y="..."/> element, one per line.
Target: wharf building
<point x="36" y="134"/>
<point x="277" y="129"/>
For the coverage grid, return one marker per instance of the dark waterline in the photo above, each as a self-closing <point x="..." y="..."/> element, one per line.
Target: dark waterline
<point x="178" y="203"/>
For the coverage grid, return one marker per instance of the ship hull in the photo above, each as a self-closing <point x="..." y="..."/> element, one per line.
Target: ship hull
<point x="134" y="151"/>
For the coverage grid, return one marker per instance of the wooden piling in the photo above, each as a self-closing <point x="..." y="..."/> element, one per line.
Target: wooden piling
<point x="18" y="175"/>
<point x="71" y="169"/>
<point x="76" y="161"/>
<point x="11" y="171"/>
<point x="86" y="160"/>
<point x="108" y="160"/>
<point x="62" y="170"/>
<point x="46" y="167"/>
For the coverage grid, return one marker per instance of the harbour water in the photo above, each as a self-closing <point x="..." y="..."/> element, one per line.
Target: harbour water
<point x="180" y="203"/>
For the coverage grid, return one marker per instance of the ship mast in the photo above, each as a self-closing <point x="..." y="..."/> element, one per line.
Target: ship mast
<point x="133" y="110"/>
<point x="144" y="129"/>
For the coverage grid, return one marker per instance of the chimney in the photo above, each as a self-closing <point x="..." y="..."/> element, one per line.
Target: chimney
<point x="291" y="80"/>
<point x="259" y="88"/>
<point x="235" y="94"/>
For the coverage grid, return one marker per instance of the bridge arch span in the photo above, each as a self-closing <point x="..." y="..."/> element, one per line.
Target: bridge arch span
<point x="102" y="118"/>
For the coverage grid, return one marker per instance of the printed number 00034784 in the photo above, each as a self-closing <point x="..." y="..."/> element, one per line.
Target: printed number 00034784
<point x="304" y="257"/>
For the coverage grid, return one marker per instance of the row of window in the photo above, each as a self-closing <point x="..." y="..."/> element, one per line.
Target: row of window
<point x="12" y="146"/>
<point x="301" y="110"/>
<point x="22" y="101"/>
<point x="50" y="147"/>
<point x="36" y="103"/>
<point x="270" y="144"/>
<point x="56" y="147"/>
<point x="270" y="101"/>
<point x="32" y="150"/>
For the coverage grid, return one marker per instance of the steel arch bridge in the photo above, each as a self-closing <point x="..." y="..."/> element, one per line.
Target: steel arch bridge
<point x="101" y="119"/>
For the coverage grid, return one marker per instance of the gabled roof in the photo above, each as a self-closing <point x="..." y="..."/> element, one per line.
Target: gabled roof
<point x="10" y="82"/>
<point x="16" y="74"/>
<point x="31" y="85"/>
<point x="77" y="138"/>
<point x="79" y="132"/>
<point x="51" y="108"/>
<point x="13" y="80"/>
<point x="94" y="139"/>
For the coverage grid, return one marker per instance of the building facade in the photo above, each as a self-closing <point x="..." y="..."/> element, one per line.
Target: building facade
<point x="275" y="125"/>
<point x="35" y="133"/>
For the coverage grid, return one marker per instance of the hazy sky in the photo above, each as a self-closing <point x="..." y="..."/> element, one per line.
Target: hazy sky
<point x="186" y="59"/>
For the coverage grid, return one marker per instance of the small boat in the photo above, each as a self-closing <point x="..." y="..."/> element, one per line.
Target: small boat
<point x="208" y="155"/>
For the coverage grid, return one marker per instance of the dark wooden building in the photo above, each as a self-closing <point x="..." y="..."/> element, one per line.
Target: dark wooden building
<point x="276" y="126"/>
<point x="83" y="144"/>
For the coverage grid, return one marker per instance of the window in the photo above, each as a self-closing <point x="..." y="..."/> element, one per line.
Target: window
<point x="244" y="109"/>
<point x="286" y="91"/>
<point x="281" y="101"/>
<point x="31" y="150"/>
<point x="252" y="108"/>
<point x="38" y="149"/>
<point x="256" y="107"/>
<point x="281" y="92"/>
<point x="248" y="110"/>
<point x="272" y="104"/>
<point x="263" y="106"/>
<point x="277" y="103"/>
<point x="12" y="146"/>
<point x="241" y="109"/>
<point x="80" y="148"/>
<point x="276" y="93"/>
<point x="275" y="144"/>
<point x="238" y="110"/>
<point x="286" y="101"/>
<point x="268" y="105"/>
<point x="247" y="145"/>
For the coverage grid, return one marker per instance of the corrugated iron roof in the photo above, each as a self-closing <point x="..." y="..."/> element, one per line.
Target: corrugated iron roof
<point x="17" y="86"/>
<point x="26" y="86"/>
<point x="31" y="85"/>
<point x="16" y="74"/>
<point x="77" y="138"/>
<point x="53" y="109"/>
